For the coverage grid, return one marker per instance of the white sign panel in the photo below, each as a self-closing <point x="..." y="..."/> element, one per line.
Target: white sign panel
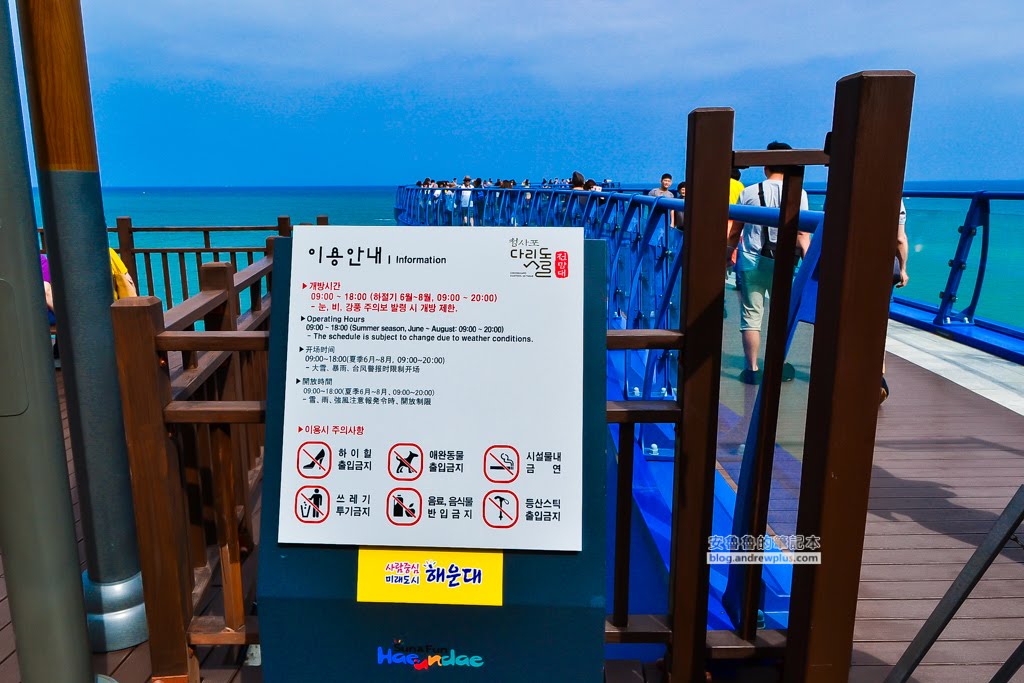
<point x="434" y="388"/>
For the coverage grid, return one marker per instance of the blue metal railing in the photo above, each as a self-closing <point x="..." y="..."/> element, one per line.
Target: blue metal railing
<point x="644" y="274"/>
<point x="644" y="268"/>
<point x="1002" y="338"/>
<point x="644" y="253"/>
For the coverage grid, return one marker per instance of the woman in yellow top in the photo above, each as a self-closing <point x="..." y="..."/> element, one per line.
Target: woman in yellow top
<point x="124" y="286"/>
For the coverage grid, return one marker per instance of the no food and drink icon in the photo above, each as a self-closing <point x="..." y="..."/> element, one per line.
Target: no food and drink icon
<point x="313" y="460"/>
<point x="405" y="507"/>
<point x="312" y="504"/>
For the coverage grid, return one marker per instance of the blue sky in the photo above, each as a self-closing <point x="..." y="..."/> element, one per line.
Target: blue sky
<point x="333" y="92"/>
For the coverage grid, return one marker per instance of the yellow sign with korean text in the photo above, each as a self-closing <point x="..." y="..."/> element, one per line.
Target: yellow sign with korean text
<point x="430" y="577"/>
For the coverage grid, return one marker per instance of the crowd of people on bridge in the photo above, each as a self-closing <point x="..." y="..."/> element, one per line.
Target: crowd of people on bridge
<point x="751" y="248"/>
<point x="452" y="203"/>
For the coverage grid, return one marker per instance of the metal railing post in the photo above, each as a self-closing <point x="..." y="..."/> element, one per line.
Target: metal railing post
<point x="976" y="218"/>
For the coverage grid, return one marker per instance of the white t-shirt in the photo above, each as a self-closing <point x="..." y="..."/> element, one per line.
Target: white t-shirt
<point x="753" y="234"/>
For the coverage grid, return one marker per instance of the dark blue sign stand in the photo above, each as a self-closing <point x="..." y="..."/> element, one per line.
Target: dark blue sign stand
<point x="551" y="626"/>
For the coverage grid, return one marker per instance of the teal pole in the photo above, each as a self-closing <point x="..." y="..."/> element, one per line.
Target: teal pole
<point x="37" y="531"/>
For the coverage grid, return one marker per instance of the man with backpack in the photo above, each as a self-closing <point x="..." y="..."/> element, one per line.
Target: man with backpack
<point x="755" y="264"/>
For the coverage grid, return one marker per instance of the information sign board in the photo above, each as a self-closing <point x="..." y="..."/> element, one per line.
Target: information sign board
<point x="434" y="381"/>
<point x="465" y="615"/>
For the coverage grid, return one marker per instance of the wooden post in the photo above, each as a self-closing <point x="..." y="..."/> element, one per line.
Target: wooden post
<point x="284" y="226"/>
<point x="708" y="166"/>
<point x="751" y="513"/>
<point x="229" y="471"/>
<point x="623" y="525"/>
<point x="868" y="158"/>
<point x="126" y="246"/>
<point x="322" y="219"/>
<point x="193" y="463"/>
<point x="270" y="255"/>
<point x="156" y="487"/>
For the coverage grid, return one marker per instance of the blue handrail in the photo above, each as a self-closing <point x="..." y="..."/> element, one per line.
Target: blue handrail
<point x="637" y="230"/>
<point x="962" y="325"/>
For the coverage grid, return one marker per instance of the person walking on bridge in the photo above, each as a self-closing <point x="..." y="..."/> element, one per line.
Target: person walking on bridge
<point x="755" y="264"/>
<point x="899" y="275"/>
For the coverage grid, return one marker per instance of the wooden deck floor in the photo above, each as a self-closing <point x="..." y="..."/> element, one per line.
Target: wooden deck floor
<point x="946" y="462"/>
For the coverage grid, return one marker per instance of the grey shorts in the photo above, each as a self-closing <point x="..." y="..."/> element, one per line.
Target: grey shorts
<point x="754" y="286"/>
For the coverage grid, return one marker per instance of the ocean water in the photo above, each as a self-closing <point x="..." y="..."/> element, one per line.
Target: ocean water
<point x="933" y="232"/>
<point x="932" y="228"/>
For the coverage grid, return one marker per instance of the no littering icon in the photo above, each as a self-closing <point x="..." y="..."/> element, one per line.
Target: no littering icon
<point x="312" y="504"/>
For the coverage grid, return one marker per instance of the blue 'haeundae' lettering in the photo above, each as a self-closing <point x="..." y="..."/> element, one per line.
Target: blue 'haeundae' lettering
<point x="438" y="659"/>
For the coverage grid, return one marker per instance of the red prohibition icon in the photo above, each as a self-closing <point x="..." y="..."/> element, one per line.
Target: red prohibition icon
<point x="501" y="464"/>
<point x="313" y="460"/>
<point x="405" y="462"/>
<point x="405" y="507"/>
<point x="312" y="504"/>
<point x="501" y="509"/>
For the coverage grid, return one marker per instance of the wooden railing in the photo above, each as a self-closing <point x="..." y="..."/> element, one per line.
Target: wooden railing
<point x="194" y="409"/>
<point x="164" y="261"/>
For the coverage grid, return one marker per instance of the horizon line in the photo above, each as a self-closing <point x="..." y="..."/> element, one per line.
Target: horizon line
<point x="396" y="185"/>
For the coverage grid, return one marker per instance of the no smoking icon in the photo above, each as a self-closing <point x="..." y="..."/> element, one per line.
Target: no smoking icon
<point x="405" y="462"/>
<point x="313" y="460"/>
<point x="501" y="509"/>
<point x="501" y="464"/>
<point x="405" y="507"/>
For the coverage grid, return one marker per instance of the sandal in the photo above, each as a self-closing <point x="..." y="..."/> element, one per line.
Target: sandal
<point x="750" y="377"/>
<point x="885" y="391"/>
<point x="788" y="372"/>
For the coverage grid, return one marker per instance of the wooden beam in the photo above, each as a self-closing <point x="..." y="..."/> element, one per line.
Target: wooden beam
<point x="620" y="340"/>
<point x="726" y="645"/>
<point x="619" y="412"/>
<point x="780" y="157"/>
<point x="191" y="310"/>
<point x="209" y="630"/>
<point x="213" y="412"/>
<point x="213" y="341"/>
<point x="641" y="628"/>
